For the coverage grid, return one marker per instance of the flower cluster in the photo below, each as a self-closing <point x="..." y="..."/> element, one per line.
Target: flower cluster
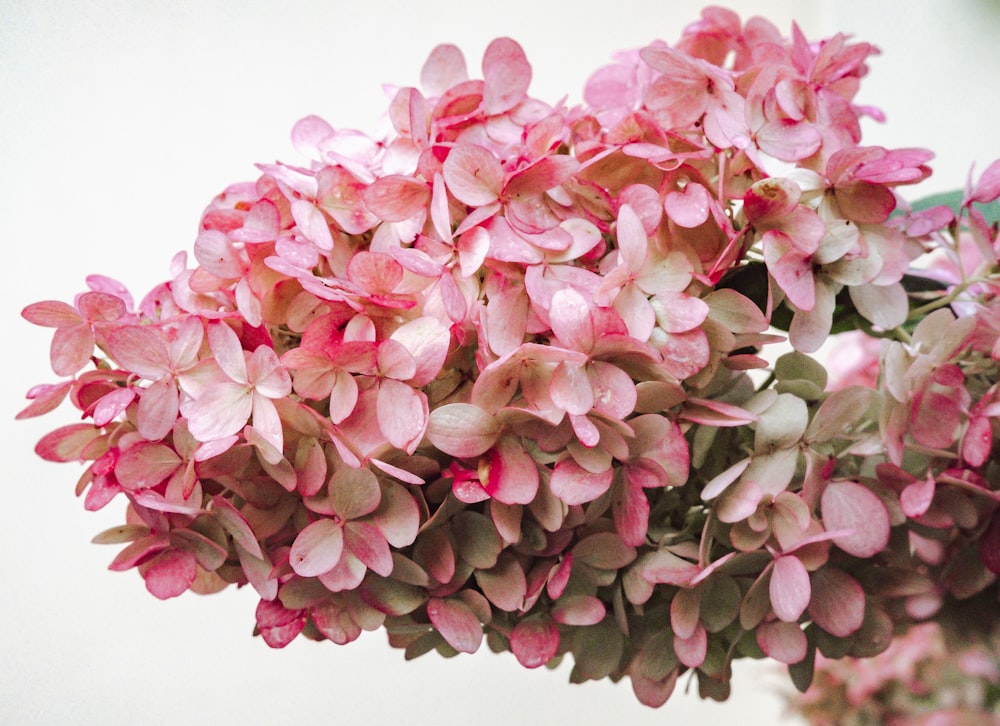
<point x="504" y="374"/>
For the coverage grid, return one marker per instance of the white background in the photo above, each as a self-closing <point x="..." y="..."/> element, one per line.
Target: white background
<point x="120" y="120"/>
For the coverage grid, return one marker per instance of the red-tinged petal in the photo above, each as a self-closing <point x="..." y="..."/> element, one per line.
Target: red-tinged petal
<point x="278" y="625"/>
<point x="663" y="566"/>
<point x="171" y="573"/>
<point x="457" y="624"/>
<point x="636" y="312"/>
<point x="138" y="552"/>
<point x="633" y="242"/>
<point x="739" y="501"/>
<point x="146" y="465"/>
<point x="473" y="174"/>
<point x="44" y="398"/>
<point x="692" y="651"/>
<point x="573" y="484"/>
<point x="462" y="430"/>
<point x="540" y="176"/>
<point x="366" y="542"/>
<point x="402" y="414"/>
<point x="852" y="507"/>
<point x="513" y="474"/>
<point x="317" y="548"/>
<point x="789" y="589"/>
<point x="354" y="493"/>
<point x="785" y="642"/>
<point x="534" y="641"/>
<point x="770" y="200"/>
<point x="838" y="602"/>
<point x="506" y="76"/>
<point x="630" y="512"/>
<point x="578" y="610"/>
<point x="395" y="198"/>
<point x="443" y="69"/>
<point x="67" y="443"/>
<point x="71" y="349"/>
<point x="52" y="314"/>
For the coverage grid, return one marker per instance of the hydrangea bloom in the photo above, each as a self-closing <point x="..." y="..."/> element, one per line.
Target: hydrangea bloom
<point x="504" y="374"/>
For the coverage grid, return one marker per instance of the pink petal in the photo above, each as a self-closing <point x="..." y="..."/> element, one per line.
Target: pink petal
<point x="317" y="548"/>
<point x="228" y="351"/>
<point x="354" y="493"/>
<point x="506" y="76"/>
<point x="571" y="320"/>
<point x="630" y="512"/>
<point x="575" y="485"/>
<point x="534" y="641"/>
<point x="578" y="610"/>
<point x="146" y="465"/>
<point x="462" y="430"/>
<point x="790" y="590"/>
<point x="838" y="602"/>
<point x="513" y="474"/>
<point x="374" y="272"/>
<point x="690" y="207"/>
<point x="443" y="69"/>
<point x="71" y="349"/>
<point x="218" y="412"/>
<point x="141" y="350"/>
<point x="395" y="361"/>
<point x="457" y="623"/>
<point x="52" y="314"/>
<point x="473" y="174"/>
<point x="850" y="506"/>
<point x="428" y="340"/>
<point x="691" y="651"/>
<point x="397" y="516"/>
<point x="395" y="198"/>
<point x="402" y="414"/>
<point x="570" y="389"/>
<point x="171" y="573"/>
<point x="366" y="542"/>
<point x="785" y="642"/>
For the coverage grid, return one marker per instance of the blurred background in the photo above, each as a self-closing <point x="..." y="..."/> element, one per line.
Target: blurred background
<point x="120" y="120"/>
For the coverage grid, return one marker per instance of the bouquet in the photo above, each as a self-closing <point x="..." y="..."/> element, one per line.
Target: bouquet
<point x="542" y="375"/>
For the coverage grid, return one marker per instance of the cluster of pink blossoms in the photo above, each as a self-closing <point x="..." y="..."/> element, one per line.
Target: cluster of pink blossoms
<point x="503" y="374"/>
